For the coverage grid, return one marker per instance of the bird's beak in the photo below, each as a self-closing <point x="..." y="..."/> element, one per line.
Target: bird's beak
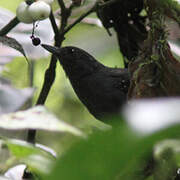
<point x="52" y="49"/>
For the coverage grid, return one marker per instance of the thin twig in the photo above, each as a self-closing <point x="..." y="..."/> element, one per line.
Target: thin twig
<point x="62" y="5"/>
<point x="48" y="80"/>
<point x="91" y="10"/>
<point x="53" y="23"/>
<point x="9" y="26"/>
<point x="79" y="20"/>
<point x="65" y="13"/>
<point x="54" y="26"/>
<point x="50" y="73"/>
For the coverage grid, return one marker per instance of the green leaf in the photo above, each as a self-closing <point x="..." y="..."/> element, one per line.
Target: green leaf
<point x="37" y="159"/>
<point x="115" y="154"/>
<point x="21" y="149"/>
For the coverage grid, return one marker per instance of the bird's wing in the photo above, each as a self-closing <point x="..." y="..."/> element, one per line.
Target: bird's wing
<point x="121" y="78"/>
<point x="115" y="72"/>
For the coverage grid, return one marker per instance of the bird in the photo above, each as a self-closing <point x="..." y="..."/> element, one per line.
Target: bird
<point x="103" y="90"/>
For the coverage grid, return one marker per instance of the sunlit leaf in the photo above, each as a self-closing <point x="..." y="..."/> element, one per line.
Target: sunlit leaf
<point x="36" y="158"/>
<point x="46" y="149"/>
<point x="36" y="118"/>
<point x="13" y="43"/>
<point x="26" y="153"/>
<point x="21" y="149"/>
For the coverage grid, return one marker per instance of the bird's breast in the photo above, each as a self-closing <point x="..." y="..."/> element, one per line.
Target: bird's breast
<point x="99" y="93"/>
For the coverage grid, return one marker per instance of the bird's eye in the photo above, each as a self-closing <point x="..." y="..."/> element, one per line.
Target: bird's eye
<point x="71" y="51"/>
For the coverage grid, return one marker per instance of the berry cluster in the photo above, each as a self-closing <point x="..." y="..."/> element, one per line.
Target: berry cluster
<point x="31" y="11"/>
<point x="28" y="12"/>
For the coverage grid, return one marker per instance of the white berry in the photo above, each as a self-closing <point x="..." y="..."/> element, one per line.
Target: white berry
<point x="48" y="1"/>
<point x="23" y="14"/>
<point x="39" y="10"/>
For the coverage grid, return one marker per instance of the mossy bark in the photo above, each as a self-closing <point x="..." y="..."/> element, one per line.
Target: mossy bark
<point x="155" y="72"/>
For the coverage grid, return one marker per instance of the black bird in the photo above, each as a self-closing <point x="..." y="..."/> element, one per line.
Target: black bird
<point x="103" y="90"/>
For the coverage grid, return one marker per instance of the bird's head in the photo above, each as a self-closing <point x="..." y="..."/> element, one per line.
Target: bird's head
<point x="75" y="61"/>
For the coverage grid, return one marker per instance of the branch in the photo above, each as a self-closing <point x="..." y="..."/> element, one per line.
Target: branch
<point x="65" y="13"/>
<point x="79" y="19"/>
<point x="9" y="26"/>
<point x="50" y="73"/>
<point x="62" y="5"/>
<point x="91" y="10"/>
<point x="53" y="23"/>
<point x="49" y="78"/>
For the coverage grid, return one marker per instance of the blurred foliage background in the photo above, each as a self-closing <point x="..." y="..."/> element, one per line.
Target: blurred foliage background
<point x="62" y="100"/>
